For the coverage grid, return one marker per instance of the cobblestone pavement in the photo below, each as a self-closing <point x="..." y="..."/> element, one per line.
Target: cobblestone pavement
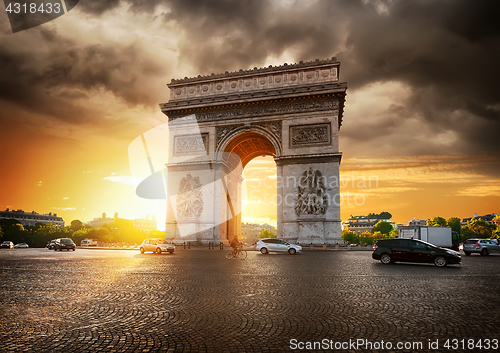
<point x="118" y="301"/>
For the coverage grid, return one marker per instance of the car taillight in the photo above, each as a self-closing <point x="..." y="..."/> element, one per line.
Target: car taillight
<point x="375" y="246"/>
<point x="477" y="243"/>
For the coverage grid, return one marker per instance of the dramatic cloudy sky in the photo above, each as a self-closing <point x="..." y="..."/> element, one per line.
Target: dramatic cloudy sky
<point x="422" y="114"/>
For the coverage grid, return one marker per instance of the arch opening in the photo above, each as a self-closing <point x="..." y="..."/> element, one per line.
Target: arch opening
<point x="250" y="146"/>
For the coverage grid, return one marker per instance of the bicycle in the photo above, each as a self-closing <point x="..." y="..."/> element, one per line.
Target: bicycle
<point x="240" y="253"/>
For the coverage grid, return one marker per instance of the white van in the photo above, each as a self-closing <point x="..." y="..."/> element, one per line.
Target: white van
<point x="88" y="242"/>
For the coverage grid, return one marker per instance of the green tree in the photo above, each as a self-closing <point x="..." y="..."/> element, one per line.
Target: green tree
<point x="366" y="238"/>
<point x="46" y="232"/>
<point x="496" y="221"/>
<point x="477" y="228"/>
<point x="266" y="233"/>
<point x="76" y="224"/>
<point x="80" y="234"/>
<point x="382" y="227"/>
<point x="100" y="234"/>
<point x="350" y="237"/>
<point x="454" y="224"/>
<point x="379" y="235"/>
<point x="437" y="222"/>
<point x="122" y="230"/>
<point x="381" y="215"/>
<point x="393" y="233"/>
<point x="14" y="231"/>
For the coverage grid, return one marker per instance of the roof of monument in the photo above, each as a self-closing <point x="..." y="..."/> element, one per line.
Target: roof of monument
<point x="256" y="71"/>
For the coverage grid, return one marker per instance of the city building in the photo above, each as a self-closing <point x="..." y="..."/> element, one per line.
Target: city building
<point x="416" y="223"/>
<point x="145" y="225"/>
<point x="488" y="218"/>
<point x="250" y="232"/>
<point x="31" y="218"/>
<point x="361" y="224"/>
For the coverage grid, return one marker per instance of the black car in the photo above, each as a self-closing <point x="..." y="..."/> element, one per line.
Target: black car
<point x="50" y="245"/>
<point x="64" y="243"/>
<point x="411" y="250"/>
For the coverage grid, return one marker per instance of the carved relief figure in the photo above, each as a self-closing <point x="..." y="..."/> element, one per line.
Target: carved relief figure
<point x="191" y="144"/>
<point x="190" y="198"/>
<point x="313" y="134"/>
<point x="311" y="198"/>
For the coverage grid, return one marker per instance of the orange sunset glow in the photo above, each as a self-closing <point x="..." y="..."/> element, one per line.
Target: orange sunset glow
<point x="420" y="126"/>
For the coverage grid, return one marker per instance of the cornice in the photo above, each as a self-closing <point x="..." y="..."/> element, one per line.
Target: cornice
<point x="250" y="98"/>
<point x="254" y="71"/>
<point x="272" y="107"/>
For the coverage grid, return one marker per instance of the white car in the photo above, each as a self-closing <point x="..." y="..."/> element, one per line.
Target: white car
<point x="268" y="245"/>
<point x="7" y="244"/>
<point x="156" y="246"/>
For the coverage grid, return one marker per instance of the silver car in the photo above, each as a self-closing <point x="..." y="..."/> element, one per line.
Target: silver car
<point x="268" y="245"/>
<point x="481" y="246"/>
<point x="21" y="245"/>
<point x="156" y="246"/>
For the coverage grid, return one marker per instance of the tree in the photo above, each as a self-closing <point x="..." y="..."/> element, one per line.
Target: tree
<point x="436" y="222"/>
<point x="378" y="235"/>
<point x="80" y="234"/>
<point x="266" y="233"/>
<point x="76" y="224"/>
<point x="393" y="233"/>
<point x="454" y="224"/>
<point x="477" y="228"/>
<point x="381" y="215"/>
<point x="13" y="230"/>
<point x="496" y="221"/>
<point x="46" y="232"/>
<point x="350" y="237"/>
<point x="122" y="230"/>
<point x="382" y="227"/>
<point x="366" y="238"/>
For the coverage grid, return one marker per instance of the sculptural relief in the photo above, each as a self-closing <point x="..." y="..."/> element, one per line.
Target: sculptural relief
<point x="311" y="198"/>
<point x="191" y="144"/>
<point x="273" y="127"/>
<point x="264" y="110"/>
<point x="223" y="132"/>
<point x="310" y="134"/>
<point x="189" y="200"/>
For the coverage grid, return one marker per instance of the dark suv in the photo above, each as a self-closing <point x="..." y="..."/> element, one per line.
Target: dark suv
<point x="410" y="250"/>
<point x="64" y="243"/>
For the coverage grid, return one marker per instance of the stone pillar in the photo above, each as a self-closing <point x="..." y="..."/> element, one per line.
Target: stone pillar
<point x="310" y="211"/>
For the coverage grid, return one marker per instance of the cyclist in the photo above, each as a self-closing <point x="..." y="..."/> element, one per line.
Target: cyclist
<point x="235" y="244"/>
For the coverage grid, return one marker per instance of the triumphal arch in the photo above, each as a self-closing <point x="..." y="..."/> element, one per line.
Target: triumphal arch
<point x="218" y="123"/>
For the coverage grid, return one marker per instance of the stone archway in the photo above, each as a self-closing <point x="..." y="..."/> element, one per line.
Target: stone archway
<point x="290" y="112"/>
<point x="247" y="144"/>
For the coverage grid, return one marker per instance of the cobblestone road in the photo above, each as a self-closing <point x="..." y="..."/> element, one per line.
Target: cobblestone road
<point x="196" y="300"/>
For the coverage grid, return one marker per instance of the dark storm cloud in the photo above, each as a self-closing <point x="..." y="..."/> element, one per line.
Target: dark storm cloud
<point x="447" y="52"/>
<point x="46" y="78"/>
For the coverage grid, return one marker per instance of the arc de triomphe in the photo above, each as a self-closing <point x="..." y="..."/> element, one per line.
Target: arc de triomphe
<point x="291" y="112"/>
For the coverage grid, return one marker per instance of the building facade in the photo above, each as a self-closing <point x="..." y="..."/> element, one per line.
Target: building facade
<point x="31" y="218"/>
<point x="145" y="225"/>
<point x="363" y="224"/>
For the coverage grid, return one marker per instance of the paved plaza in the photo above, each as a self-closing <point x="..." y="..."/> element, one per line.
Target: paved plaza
<point x="197" y="300"/>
